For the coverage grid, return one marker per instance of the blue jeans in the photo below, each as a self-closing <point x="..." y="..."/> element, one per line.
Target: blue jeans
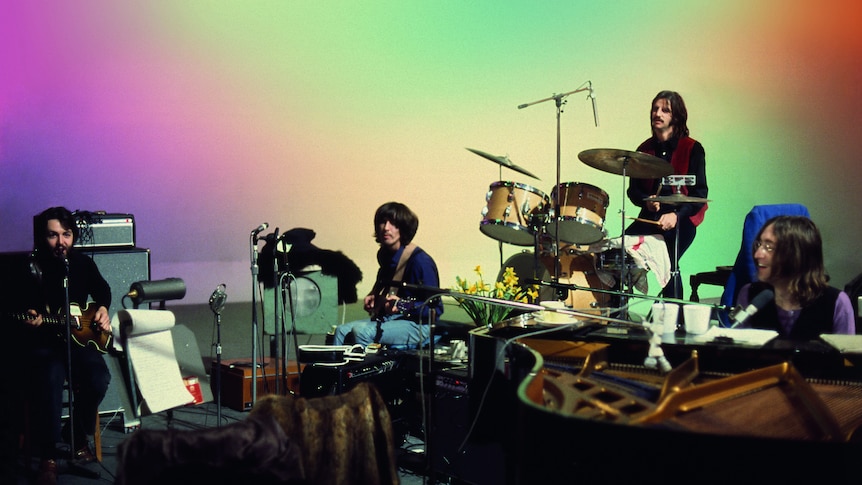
<point x="396" y="331"/>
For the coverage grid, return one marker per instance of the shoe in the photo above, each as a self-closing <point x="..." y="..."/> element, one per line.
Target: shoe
<point x="47" y="474"/>
<point x="83" y="455"/>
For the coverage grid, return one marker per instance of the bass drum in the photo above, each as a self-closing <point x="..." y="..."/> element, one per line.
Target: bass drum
<point x="578" y="269"/>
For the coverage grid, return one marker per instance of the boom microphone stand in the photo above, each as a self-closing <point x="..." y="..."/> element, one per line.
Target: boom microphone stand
<point x="559" y="102"/>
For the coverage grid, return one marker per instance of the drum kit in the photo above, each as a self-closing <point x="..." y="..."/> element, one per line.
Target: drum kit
<point x="563" y="227"/>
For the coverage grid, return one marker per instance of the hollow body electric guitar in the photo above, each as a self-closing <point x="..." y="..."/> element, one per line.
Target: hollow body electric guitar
<point x="85" y="331"/>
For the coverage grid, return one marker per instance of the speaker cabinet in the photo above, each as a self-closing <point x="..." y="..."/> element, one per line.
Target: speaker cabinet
<point x="315" y="303"/>
<point x="121" y="268"/>
<point x="478" y="462"/>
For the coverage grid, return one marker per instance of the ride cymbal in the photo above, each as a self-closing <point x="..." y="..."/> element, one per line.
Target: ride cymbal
<point x="503" y="161"/>
<point x="637" y="165"/>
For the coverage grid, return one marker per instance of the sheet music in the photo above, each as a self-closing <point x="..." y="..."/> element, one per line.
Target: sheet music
<point x="150" y="348"/>
<point x="846" y="344"/>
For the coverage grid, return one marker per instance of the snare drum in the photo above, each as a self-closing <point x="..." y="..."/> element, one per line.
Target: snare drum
<point x="582" y="210"/>
<point x="513" y="213"/>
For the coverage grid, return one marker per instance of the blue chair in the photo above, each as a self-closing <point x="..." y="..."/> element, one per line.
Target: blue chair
<point x="743" y="269"/>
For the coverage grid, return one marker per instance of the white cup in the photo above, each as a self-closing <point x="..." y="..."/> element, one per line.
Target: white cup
<point x="666" y="314"/>
<point x="551" y="314"/>
<point x="696" y="318"/>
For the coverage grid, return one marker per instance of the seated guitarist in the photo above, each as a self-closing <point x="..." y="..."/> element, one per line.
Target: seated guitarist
<point x="55" y="232"/>
<point x="397" y="314"/>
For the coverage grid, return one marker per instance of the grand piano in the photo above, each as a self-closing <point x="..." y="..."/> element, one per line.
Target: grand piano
<point x="576" y="404"/>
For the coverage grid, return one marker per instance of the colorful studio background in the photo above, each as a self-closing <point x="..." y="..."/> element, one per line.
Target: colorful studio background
<point x="206" y="118"/>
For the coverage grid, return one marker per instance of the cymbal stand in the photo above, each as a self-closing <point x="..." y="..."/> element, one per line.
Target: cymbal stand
<point x="624" y="313"/>
<point x="559" y="102"/>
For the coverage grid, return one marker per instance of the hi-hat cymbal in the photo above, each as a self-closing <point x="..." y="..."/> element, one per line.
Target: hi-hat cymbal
<point x="677" y="199"/>
<point x="503" y="161"/>
<point x="637" y="165"/>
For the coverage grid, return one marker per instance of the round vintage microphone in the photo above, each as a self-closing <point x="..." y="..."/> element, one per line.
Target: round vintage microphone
<point x="218" y="298"/>
<point x="158" y="290"/>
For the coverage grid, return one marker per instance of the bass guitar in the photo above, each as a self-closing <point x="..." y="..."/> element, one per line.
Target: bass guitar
<point x="85" y="331"/>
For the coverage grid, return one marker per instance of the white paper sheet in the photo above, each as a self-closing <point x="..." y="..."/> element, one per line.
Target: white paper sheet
<point x="150" y="348"/>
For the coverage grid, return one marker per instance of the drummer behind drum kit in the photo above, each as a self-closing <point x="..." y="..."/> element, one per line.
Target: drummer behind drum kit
<point x="571" y="219"/>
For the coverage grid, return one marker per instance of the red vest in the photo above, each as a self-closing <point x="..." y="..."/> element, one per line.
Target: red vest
<point x="679" y="162"/>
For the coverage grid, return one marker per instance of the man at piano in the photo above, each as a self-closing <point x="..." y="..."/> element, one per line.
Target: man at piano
<point x="788" y="256"/>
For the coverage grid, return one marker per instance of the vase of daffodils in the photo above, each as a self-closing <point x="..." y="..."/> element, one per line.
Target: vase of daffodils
<point x="485" y="313"/>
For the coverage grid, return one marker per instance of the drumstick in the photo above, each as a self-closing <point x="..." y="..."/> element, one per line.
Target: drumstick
<point x="648" y="221"/>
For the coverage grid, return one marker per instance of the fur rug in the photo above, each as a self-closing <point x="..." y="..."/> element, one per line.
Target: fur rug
<point x="344" y="439"/>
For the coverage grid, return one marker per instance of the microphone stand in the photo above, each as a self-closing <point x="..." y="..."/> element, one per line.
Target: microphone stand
<point x="216" y="307"/>
<point x="73" y="467"/>
<point x="255" y="271"/>
<point x="290" y="299"/>
<point x="558" y="100"/>
<point x="276" y="314"/>
<point x="68" y="312"/>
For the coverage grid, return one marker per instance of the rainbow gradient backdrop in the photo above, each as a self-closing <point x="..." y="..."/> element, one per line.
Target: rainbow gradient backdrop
<point x="206" y="118"/>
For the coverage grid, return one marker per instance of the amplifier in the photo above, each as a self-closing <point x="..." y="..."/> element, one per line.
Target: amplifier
<point x="236" y="381"/>
<point x="98" y="230"/>
<point x="323" y="380"/>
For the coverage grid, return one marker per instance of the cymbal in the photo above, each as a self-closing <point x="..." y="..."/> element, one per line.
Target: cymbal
<point x="637" y="165"/>
<point x="503" y="161"/>
<point x="677" y="199"/>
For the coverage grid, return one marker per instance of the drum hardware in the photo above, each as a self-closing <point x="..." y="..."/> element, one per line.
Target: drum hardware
<point x="502" y="161"/>
<point x="628" y="164"/>
<point x="677" y="181"/>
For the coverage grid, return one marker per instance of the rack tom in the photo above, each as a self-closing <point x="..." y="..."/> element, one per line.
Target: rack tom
<point x="582" y="209"/>
<point x="513" y="213"/>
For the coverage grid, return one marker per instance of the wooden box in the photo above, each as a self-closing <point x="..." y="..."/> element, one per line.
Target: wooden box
<point x="236" y="381"/>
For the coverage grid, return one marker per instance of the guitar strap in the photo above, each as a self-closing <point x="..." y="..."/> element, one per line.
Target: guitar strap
<point x="402" y="264"/>
<point x="391" y="290"/>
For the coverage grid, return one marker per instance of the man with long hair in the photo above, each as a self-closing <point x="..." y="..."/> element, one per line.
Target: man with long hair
<point x="788" y="256"/>
<point x="671" y="142"/>
<point x="397" y="314"/>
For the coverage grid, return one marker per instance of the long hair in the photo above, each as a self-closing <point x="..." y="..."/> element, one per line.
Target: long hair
<point x="40" y="226"/>
<point x="798" y="256"/>
<point x="401" y="217"/>
<point x="679" y="113"/>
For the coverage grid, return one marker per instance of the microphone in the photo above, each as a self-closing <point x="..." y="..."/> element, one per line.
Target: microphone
<point x="593" y="98"/>
<point x="218" y="298"/>
<point x="259" y="229"/>
<point x="759" y="301"/>
<point x="157" y="290"/>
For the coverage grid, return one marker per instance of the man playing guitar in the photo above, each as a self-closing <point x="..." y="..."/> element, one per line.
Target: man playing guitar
<point x="396" y="312"/>
<point x="55" y="264"/>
